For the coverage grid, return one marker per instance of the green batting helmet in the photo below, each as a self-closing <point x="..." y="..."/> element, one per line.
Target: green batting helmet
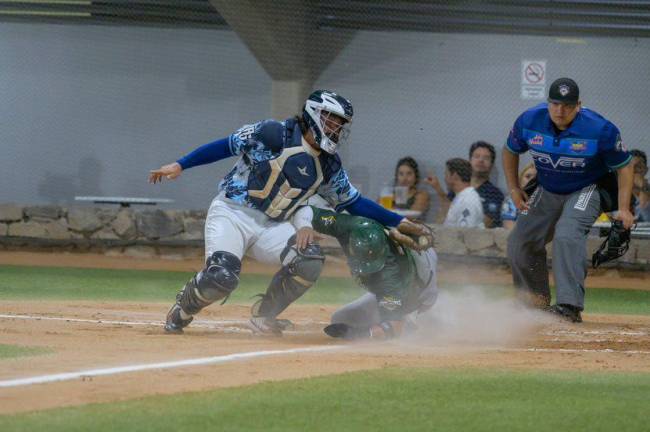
<point x="367" y="248"/>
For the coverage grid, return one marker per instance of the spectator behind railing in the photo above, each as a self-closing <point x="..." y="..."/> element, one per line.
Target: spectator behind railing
<point x="641" y="188"/>
<point x="508" y="210"/>
<point x="481" y="157"/>
<point x="466" y="209"/>
<point x="407" y="175"/>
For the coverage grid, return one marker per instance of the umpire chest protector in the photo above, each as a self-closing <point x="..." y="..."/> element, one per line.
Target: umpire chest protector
<point x="279" y="185"/>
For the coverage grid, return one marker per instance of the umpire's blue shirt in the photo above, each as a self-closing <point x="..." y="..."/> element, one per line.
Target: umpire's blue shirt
<point x="571" y="159"/>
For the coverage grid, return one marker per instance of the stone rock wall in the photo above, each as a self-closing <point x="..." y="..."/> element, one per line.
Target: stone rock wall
<point x="179" y="233"/>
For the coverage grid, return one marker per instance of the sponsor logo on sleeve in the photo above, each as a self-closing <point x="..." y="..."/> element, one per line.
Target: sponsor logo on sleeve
<point x="327" y="220"/>
<point x="537" y="140"/>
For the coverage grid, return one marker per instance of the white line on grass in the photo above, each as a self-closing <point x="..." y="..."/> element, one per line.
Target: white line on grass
<point x="42" y="379"/>
<point x="197" y="323"/>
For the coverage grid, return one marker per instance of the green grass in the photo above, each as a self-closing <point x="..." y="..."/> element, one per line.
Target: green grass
<point x="12" y="351"/>
<point x="385" y="400"/>
<point x="55" y="283"/>
<point x="617" y="301"/>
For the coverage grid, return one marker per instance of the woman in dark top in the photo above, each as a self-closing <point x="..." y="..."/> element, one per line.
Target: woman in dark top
<point x="407" y="175"/>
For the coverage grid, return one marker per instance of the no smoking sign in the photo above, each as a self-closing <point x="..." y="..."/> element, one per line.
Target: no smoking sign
<point x="534" y="73"/>
<point x="533" y="79"/>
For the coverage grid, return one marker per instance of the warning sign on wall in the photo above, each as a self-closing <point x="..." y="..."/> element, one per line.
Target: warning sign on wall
<point x="533" y="79"/>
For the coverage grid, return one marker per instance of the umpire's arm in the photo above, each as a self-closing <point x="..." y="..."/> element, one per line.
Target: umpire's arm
<point x="510" y="170"/>
<point x="625" y="183"/>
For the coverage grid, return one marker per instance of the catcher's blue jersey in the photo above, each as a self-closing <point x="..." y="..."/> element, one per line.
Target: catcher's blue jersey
<point x="277" y="171"/>
<point x="568" y="160"/>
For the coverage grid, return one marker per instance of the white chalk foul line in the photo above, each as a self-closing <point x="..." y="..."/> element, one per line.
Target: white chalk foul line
<point x="202" y="323"/>
<point x="212" y="324"/>
<point x="42" y="379"/>
<point x="575" y="350"/>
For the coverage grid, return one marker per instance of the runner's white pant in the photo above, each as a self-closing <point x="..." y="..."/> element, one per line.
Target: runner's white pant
<point x="243" y="231"/>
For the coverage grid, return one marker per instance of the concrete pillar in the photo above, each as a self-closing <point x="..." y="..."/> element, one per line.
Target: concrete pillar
<point x="287" y="97"/>
<point x="283" y="36"/>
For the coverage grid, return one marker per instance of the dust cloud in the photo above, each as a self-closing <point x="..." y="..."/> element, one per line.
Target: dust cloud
<point x="471" y="316"/>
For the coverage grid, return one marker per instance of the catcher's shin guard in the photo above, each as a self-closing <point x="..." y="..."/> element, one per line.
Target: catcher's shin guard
<point x="300" y="271"/>
<point x="215" y="282"/>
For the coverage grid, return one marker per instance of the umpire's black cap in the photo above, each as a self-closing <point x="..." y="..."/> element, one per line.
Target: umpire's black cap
<point x="564" y="91"/>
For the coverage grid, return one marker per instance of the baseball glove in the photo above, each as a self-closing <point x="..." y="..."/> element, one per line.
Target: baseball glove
<point x="413" y="235"/>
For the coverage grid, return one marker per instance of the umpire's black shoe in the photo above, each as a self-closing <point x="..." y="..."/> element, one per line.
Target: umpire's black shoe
<point x="175" y="323"/>
<point x="567" y="312"/>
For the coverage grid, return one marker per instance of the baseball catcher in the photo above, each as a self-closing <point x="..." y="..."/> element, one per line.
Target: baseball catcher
<point x="280" y="165"/>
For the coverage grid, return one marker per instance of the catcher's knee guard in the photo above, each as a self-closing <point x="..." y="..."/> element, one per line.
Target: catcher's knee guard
<point x="216" y="281"/>
<point x="300" y="269"/>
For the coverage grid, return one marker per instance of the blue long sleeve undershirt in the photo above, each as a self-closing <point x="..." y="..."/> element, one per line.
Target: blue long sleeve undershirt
<point x="206" y="154"/>
<point x="370" y="209"/>
<point x="220" y="149"/>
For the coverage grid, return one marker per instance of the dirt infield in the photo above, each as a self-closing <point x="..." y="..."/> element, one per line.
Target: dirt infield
<point x="92" y="335"/>
<point x="84" y="336"/>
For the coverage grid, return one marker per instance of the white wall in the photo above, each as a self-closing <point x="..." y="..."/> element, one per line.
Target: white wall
<point x="90" y="109"/>
<point x="430" y="95"/>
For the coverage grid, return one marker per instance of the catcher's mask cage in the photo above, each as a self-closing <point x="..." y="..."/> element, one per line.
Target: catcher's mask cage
<point x="329" y="117"/>
<point x="615" y="245"/>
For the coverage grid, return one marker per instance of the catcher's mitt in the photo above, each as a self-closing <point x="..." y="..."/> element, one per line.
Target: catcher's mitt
<point x="413" y="235"/>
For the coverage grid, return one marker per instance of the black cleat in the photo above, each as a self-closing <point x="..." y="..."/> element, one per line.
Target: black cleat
<point x="566" y="312"/>
<point x="175" y="323"/>
<point x="345" y="331"/>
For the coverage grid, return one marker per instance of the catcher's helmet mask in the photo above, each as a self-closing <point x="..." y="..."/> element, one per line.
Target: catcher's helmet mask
<point x="329" y="117"/>
<point x="615" y="245"/>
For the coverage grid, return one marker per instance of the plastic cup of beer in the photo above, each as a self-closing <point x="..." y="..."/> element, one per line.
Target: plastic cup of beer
<point x="386" y="197"/>
<point x="401" y="195"/>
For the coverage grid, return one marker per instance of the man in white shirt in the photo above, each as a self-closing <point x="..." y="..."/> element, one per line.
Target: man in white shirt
<point x="466" y="209"/>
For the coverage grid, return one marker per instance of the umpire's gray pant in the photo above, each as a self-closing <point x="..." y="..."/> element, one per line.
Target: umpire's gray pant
<point x="565" y="219"/>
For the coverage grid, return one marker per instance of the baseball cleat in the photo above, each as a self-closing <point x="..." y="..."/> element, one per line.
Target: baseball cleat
<point x="265" y="326"/>
<point x="566" y="312"/>
<point x="345" y="331"/>
<point x="175" y="323"/>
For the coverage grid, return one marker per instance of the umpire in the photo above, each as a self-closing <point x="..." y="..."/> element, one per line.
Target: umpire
<point x="576" y="152"/>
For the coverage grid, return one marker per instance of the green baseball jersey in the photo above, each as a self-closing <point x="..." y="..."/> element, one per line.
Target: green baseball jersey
<point x="394" y="283"/>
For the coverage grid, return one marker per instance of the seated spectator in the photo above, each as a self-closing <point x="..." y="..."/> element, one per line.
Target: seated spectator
<point x="466" y="209"/>
<point x="640" y="188"/>
<point x="407" y="175"/>
<point x="481" y="157"/>
<point x="508" y="210"/>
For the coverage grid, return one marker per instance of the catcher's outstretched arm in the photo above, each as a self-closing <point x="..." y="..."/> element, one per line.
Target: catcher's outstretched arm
<point x="206" y="154"/>
<point x="364" y="207"/>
